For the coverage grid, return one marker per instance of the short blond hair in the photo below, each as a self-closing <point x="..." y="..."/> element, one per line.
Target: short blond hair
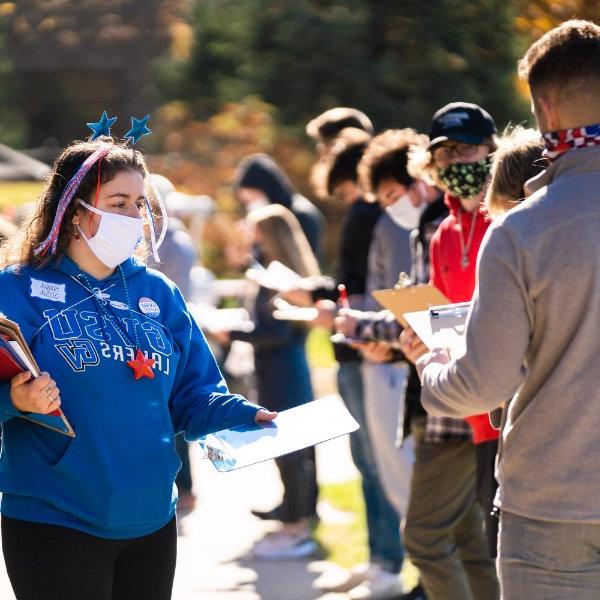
<point x="517" y="159"/>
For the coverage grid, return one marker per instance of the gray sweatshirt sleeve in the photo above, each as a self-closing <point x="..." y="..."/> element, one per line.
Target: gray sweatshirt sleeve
<point x="498" y="333"/>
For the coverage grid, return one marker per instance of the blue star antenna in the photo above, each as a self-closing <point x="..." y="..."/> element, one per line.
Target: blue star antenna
<point x="138" y="129"/>
<point x="102" y="127"/>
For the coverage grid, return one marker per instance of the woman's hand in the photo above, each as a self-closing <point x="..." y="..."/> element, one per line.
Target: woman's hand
<point x="411" y="345"/>
<point x="264" y="415"/>
<point x="39" y="395"/>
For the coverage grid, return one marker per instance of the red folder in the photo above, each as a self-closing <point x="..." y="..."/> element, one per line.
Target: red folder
<point x="9" y="367"/>
<point x="11" y="363"/>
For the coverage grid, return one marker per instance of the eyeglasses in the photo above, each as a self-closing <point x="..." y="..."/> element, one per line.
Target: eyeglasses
<point x="446" y="153"/>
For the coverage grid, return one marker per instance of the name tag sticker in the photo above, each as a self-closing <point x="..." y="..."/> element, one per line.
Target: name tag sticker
<point x="119" y="305"/>
<point x="48" y="291"/>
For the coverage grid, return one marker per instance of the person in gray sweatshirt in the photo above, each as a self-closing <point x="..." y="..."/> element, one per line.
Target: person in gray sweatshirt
<point x="384" y="177"/>
<point x="532" y="336"/>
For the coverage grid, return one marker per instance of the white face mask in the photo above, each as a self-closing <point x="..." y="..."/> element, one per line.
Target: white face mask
<point x="404" y="213"/>
<point x="117" y="237"/>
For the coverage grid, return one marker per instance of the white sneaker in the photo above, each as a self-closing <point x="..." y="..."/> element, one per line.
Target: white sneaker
<point x="380" y="585"/>
<point x="281" y="545"/>
<point x="341" y="582"/>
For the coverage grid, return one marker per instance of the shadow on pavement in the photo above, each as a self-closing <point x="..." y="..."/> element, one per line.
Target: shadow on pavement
<point x="282" y="579"/>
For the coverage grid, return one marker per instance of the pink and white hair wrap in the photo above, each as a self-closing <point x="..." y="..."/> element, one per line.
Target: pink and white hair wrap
<point x="67" y="196"/>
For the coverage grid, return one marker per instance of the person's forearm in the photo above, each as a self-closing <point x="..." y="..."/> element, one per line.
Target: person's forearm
<point x="446" y="393"/>
<point x="497" y="331"/>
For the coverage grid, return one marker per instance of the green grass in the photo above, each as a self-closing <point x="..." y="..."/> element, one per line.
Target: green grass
<point x="344" y="543"/>
<point x="14" y="193"/>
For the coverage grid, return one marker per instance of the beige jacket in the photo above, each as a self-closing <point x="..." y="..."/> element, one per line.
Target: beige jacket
<point x="533" y="334"/>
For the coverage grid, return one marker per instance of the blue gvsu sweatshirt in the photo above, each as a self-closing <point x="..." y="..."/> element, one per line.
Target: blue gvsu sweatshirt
<point x="115" y="479"/>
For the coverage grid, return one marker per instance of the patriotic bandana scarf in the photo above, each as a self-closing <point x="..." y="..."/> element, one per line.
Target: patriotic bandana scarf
<point x="559" y="142"/>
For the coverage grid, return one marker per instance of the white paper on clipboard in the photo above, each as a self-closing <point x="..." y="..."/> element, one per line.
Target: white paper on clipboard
<point x="442" y="327"/>
<point x="293" y="429"/>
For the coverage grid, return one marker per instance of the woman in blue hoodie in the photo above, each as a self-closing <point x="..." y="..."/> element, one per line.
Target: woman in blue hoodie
<point x="93" y="516"/>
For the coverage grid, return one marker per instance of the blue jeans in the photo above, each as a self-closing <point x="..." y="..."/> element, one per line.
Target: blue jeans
<point x="383" y="523"/>
<point x="384" y="388"/>
<point x="548" y="560"/>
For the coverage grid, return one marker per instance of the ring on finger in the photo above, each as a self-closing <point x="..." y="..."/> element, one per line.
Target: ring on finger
<point x="50" y="398"/>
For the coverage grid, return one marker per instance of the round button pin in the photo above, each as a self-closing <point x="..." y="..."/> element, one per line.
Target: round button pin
<point x="149" y="307"/>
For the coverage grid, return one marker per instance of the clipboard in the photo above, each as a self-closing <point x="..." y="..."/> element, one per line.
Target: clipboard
<point x="409" y="298"/>
<point x="299" y="313"/>
<point x="293" y="429"/>
<point x="282" y="279"/>
<point x="23" y="360"/>
<point x="442" y="327"/>
<point x="212" y="319"/>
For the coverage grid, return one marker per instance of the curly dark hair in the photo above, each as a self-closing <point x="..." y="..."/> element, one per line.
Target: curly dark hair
<point x="386" y="157"/>
<point x="341" y="162"/>
<point x="20" y="249"/>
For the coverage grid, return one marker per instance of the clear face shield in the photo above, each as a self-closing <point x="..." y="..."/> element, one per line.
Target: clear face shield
<point x="156" y="220"/>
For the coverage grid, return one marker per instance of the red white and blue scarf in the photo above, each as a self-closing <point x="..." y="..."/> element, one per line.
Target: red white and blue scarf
<point x="559" y="142"/>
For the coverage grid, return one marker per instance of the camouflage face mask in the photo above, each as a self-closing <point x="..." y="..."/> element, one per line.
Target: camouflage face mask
<point x="465" y="180"/>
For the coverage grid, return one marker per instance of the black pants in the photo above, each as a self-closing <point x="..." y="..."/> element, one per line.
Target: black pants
<point x="184" y="477"/>
<point x="485" y="457"/>
<point x="47" y="562"/>
<point x="299" y="478"/>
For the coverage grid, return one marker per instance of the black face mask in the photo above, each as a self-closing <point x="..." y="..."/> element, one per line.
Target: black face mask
<point x="465" y="180"/>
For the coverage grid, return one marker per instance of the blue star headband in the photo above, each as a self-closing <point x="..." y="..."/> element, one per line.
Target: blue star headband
<point x="139" y="127"/>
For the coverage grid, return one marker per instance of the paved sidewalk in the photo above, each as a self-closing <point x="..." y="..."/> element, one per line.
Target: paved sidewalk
<point x="215" y="539"/>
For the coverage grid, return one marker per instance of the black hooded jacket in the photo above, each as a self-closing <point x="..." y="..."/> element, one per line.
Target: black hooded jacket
<point x="262" y="172"/>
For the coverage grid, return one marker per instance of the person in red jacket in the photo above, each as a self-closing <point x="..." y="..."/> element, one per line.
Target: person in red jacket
<point x="460" y="151"/>
<point x="453" y="254"/>
<point x="462" y="138"/>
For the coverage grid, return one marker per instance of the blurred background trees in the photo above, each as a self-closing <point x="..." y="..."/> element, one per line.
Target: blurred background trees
<point x="224" y="78"/>
<point x="397" y="61"/>
<point x="65" y="60"/>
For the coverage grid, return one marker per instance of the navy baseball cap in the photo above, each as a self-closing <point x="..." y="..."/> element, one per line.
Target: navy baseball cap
<point x="460" y="122"/>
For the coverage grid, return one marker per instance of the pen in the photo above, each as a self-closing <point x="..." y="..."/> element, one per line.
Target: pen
<point x="343" y="296"/>
<point x="456" y="310"/>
